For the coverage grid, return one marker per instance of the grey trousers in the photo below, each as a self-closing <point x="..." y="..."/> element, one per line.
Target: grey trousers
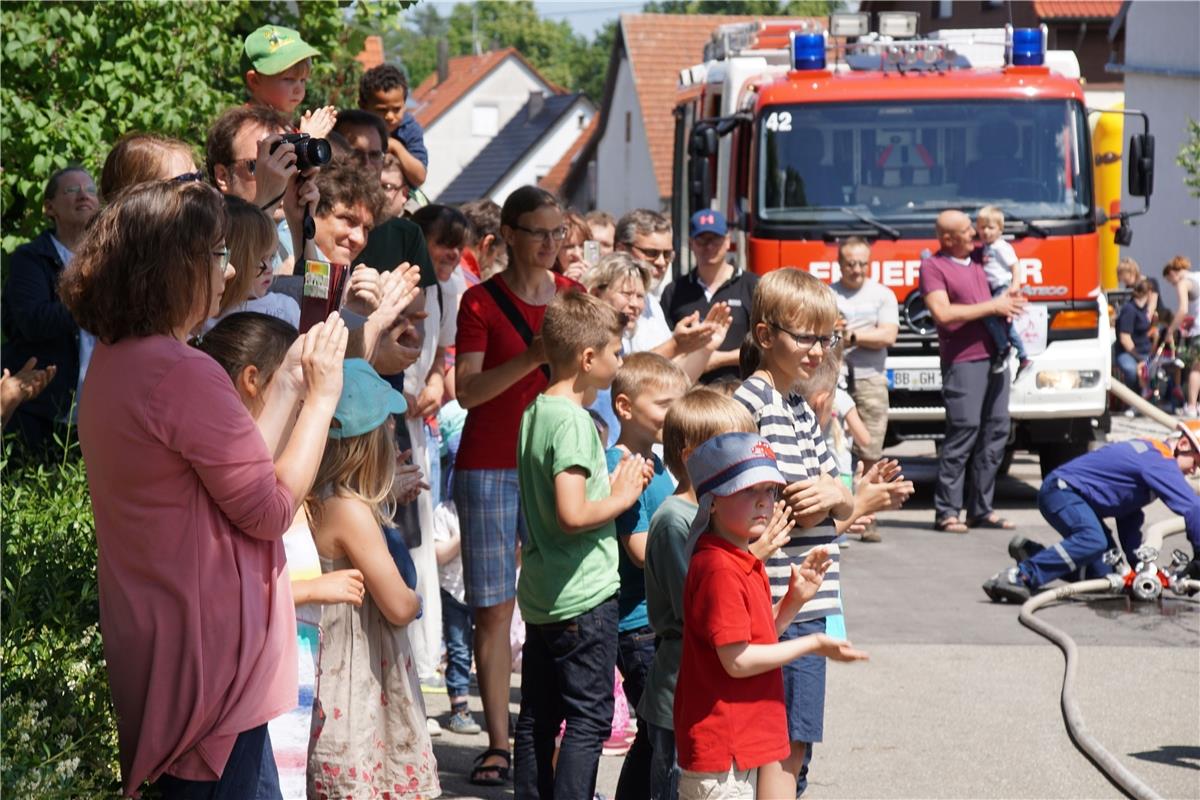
<point x="976" y="432"/>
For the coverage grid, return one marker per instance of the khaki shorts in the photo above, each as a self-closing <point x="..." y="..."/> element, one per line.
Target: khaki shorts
<point x="736" y="784"/>
<point x="871" y="398"/>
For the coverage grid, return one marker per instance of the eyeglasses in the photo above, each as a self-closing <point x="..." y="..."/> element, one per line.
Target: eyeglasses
<point x="251" y="164"/>
<point x="543" y="235"/>
<point x="862" y="264"/>
<point x="392" y="188"/>
<point x="807" y="340"/>
<point x="189" y="177"/>
<point x="263" y="268"/>
<point x="371" y="156"/>
<point x="76" y="189"/>
<point x="650" y="254"/>
<point x="224" y="254"/>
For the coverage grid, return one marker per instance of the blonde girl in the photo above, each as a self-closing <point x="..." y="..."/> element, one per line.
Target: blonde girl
<point x="252" y="242"/>
<point x="369" y="734"/>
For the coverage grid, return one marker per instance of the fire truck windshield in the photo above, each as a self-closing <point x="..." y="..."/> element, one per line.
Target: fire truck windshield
<point x="905" y="162"/>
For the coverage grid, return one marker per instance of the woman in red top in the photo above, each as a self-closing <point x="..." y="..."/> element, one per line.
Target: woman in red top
<point x="498" y="371"/>
<point x="195" y="604"/>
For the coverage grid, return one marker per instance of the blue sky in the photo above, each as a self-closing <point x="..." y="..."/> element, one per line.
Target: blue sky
<point x="585" y="16"/>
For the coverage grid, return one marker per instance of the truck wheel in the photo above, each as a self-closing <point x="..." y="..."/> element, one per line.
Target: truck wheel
<point x="1054" y="455"/>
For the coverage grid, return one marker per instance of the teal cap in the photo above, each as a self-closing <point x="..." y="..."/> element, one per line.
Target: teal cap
<point x="367" y="401"/>
<point x="272" y="49"/>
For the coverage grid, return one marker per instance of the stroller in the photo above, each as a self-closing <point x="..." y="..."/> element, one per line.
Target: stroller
<point x="1159" y="377"/>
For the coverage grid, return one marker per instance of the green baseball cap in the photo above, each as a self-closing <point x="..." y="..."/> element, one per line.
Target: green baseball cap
<point x="366" y="402"/>
<point x="272" y="49"/>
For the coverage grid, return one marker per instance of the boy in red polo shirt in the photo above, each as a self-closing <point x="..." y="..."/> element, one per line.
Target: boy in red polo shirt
<point x="730" y="722"/>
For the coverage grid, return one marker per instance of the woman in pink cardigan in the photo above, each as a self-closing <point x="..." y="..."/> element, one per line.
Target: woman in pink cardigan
<point x="195" y="605"/>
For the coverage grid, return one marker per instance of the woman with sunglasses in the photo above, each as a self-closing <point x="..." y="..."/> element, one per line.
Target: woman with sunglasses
<point x="498" y="372"/>
<point x="252" y="241"/>
<point x="196" y="610"/>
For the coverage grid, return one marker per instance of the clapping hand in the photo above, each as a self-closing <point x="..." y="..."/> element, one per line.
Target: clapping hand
<point x="321" y="359"/>
<point x="837" y="649"/>
<point x="629" y="479"/>
<point x="318" y="122"/>
<point x="719" y="318"/>
<point x="27" y="384"/>
<point x="408" y="482"/>
<point x="777" y="534"/>
<point x="363" y="293"/>
<point x="806" y="577"/>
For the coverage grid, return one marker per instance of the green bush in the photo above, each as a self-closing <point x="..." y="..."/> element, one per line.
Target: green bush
<point x="59" y="735"/>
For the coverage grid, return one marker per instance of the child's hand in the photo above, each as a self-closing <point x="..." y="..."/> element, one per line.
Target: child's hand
<point x="318" y="122"/>
<point x="885" y="470"/>
<point x="340" y="586"/>
<point x="777" y="535"/>
<point x="807" y="577"/>
<point x="813" y="495"/>
<point x="719" y="318"/>
<point x="273" y="170"/>
<point x="628" y="480"/>
<point x="321" y="359"/>
<point x="691" y="334"/>
<point x="837" y="649"/>
<point x="408" y="483"/>
<point x="430" y="399"/>
<point x="363" y="293"/>
<point x="861" y="524"/>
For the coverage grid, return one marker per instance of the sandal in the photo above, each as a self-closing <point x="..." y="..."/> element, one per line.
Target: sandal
<point x="993" y="521"/>
<point x="950" y="525"/>
<point x="481" y="774"/>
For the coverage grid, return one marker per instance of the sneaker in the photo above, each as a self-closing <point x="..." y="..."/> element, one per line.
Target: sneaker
<point x="1022" y="549"/>
<point x="1022" y="367"/>
<point x="432" y="726"/>
<point x="461" y="721"/>
<point x="1007" y="586"/>
<point x="618" y="744"/>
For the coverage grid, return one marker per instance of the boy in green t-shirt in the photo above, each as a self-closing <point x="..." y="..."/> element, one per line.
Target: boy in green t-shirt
<point x="567" y="591"/>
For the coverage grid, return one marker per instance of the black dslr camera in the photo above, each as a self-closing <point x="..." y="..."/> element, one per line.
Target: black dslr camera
<point x="310" y="152"/>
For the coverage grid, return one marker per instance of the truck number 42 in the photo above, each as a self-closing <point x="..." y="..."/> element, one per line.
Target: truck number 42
<point x="779" y="121"/>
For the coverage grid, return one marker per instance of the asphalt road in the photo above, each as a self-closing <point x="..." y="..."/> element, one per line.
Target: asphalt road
<point x="959" y="700"/>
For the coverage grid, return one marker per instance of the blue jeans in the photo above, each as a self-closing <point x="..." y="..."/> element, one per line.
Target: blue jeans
<point x="1004" y="332"/>
<point x="456" y="628"/>
<point x="249" y="774"/>
<point x="1127" y="364"/>
<point x="1085" y="538"/>
<point x="635" y="652"/>
<point x="664" y="768"/>
<point x="566" y="674"/>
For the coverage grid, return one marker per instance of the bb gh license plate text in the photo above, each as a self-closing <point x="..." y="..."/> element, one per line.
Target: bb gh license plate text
<point x="917" y="380"/>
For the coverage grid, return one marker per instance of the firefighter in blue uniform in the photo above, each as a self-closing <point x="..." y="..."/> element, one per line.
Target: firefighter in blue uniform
<point x="1115" y="481"/>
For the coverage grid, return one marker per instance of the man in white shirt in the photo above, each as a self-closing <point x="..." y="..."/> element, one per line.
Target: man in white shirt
<point x="869" y="325"/>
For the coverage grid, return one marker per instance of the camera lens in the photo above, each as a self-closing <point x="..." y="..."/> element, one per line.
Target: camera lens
<point x="317" y="152"/>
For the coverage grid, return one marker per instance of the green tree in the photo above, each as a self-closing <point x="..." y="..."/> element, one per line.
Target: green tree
<point x="758" y="8"/>
<point x="77" y="75"/>
<point x="1189" y="159"/>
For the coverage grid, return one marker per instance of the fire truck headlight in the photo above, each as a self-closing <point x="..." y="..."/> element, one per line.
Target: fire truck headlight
<point x="1067" y="379"/>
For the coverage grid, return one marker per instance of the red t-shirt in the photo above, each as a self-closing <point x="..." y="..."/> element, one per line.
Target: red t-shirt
<point x="489" y="437"/>
<point x="721" y="720"/>
<point x="964" y="284"/>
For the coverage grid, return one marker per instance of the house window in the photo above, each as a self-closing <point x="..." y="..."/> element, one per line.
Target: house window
<point x="628" y="126"/>
<point x="485" y="120"/>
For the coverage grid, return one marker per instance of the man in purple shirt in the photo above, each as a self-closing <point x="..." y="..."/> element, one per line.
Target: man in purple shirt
<point x="956" y="293"/>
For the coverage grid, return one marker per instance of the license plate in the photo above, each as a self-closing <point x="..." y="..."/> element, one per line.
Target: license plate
<point x="915" y="380"/>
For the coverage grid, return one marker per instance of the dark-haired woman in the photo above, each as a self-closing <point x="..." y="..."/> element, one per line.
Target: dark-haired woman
<point x="497" y="374"/>
<point x="195" y="607"/>
<point x="36" y="324"/>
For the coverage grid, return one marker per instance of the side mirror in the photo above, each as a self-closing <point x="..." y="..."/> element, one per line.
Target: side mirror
<point x="1141" y="165"/>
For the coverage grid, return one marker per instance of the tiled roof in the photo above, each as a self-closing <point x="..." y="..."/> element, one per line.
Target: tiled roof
<point x="659" y="46"/>
<point x="507" y="147"/>
<point x="558" y="173"/>
<point x="372" y="53"/>
<point x="432" y="99"/>
<point x="1076" y="9"/>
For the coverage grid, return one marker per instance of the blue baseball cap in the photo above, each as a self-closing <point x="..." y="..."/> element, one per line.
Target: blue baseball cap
<point x="726" y="465"/>
<point x="708" y="221"/>
<point x="367" y="401"/>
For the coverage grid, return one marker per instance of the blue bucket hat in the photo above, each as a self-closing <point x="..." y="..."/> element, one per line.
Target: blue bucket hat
<point x="708" y="221"/>
<point x="726" y="465"/>
<point x="367" y="401"/>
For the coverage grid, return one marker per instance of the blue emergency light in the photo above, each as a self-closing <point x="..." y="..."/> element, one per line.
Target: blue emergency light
<point x="808" y="51"/>
<point x="1028" y="47"/>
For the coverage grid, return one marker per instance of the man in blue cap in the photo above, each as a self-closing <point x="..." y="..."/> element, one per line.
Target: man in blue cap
<point x="714" y="280"/>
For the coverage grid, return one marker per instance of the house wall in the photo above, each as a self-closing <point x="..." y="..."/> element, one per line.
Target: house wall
<point x="1160" y="37"/>
<point x="624" y="171"/>
<point x="538" y="161"/>
<point x="450" y="139"/>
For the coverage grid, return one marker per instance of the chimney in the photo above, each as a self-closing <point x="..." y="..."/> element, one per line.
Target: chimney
<point x="537" y="102"/>
<point x="443" y="61"/>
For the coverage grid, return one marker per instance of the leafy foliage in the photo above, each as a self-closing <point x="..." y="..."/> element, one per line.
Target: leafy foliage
<point x="763" y="8"/>
<point x="59" y="736"/>
<point x="77" y="75"/>
<point x="1189" y="159"/>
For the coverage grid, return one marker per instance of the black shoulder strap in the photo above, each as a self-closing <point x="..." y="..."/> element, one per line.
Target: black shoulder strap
<point x="505" y="304"/>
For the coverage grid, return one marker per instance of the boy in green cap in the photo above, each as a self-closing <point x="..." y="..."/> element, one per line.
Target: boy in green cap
<point x="276" y="67"/>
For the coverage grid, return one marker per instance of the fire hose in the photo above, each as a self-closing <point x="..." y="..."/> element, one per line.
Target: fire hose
<point x="1146" y="582"/>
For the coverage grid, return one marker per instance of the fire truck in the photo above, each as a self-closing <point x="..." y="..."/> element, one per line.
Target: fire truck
<point x="803" y="137"/>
